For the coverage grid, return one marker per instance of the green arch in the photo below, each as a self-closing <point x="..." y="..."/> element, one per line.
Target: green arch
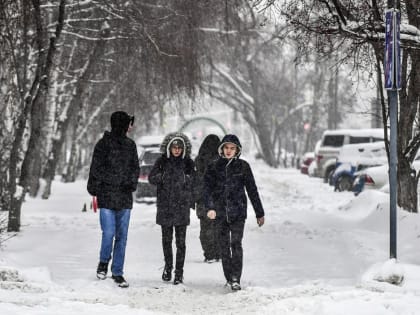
<point x="190" y="121"/>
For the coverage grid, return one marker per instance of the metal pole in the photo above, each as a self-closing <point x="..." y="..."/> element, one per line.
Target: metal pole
<point x="393" y="120"/>
<point x="393" y="112"/>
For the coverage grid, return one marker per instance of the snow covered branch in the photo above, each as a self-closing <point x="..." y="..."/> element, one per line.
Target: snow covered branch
<point x="234" y="84"/>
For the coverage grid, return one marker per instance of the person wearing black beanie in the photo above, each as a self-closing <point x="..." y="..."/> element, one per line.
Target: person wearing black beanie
<point x="121" y="122"/>
<point x="113" y="177"/>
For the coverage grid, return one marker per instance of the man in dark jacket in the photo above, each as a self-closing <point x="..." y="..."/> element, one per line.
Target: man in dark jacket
<point x="113" y="178"/>
<point x="225" y="199"/>
<point x="173" y="173"/>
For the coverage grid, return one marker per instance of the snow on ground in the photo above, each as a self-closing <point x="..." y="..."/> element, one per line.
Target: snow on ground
<point x="320" y="252"/>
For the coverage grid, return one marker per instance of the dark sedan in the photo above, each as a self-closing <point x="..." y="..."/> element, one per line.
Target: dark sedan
<point x="145" y="191"/>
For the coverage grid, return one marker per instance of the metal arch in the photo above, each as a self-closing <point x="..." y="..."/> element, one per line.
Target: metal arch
<point x="190" y="121"/>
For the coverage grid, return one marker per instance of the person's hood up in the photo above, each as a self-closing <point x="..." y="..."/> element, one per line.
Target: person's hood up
<point x="209" y="146"/>
<point x="230" y="139"/>
<point x="165" y="147"/>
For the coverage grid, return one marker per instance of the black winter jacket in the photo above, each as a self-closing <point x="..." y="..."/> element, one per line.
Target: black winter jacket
<point x="114" y="171"/>
<point x="173" y="177"/>
<point x="206" y="155"/>
<point x="224" y="189"/>
<point x="201" y="166"/>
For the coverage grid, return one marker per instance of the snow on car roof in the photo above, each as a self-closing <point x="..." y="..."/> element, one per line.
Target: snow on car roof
<point x="374" y="132"/>
<point x="152" y="149"/>
<point x="369" y="153"/>
<point x="150" y="140"/>
<point x="363" y="148"/>
<point x="309" y="155"/>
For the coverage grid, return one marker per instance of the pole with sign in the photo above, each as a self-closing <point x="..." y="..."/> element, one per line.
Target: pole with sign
<point x="392" y="69"/>
<point x="392" y="50"/>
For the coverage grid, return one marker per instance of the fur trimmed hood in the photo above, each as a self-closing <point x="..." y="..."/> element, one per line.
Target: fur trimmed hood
<point x="171" y="137"/>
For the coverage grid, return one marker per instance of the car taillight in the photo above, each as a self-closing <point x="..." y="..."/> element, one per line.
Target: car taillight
<point x="318" y="158"/>
<point x="144" y="177"/>
<point x="369" y="180"/>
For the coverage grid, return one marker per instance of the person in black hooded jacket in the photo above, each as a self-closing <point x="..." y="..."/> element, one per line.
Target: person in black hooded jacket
<point x="173" y="174"/>
<point x="208" y="230"/>
<point x="225" y="182"/>
<point x="112" y="179"/>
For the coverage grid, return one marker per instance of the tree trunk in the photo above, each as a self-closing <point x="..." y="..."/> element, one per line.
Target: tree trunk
<point x="261" y="125"/>
<point x="331" y="118"/>
<point x="31" y="167"/>
<point x="72" y="165"/>
<point x="317" y="92"/>
<point x="376" y="108"/>
<point x="407" y="188"/>
<point x="73" y="107"/>
<point x="409" y="102"/>
<point x="266" y="146"/>
<point x="278" y="156"/>
<point x="14" y="195"/>
<point x="335" y="99"/>
<point x="13" y="224"/>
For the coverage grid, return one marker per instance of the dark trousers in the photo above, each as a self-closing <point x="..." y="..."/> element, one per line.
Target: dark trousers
<point x="209" y="239"/>
<point x="167" y="236"/>
<point x="230" y="240"/>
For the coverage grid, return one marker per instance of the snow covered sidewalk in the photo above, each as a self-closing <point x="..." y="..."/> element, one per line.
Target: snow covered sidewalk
<point x="317" y="254"/>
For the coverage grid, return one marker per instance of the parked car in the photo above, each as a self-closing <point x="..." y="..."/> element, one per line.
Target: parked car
<point x="333" y="140"/>
<point x="307" y="159"/>
<point x="355" y="157"/>
<point x="376" y="177"/>
<point x="146" y="142"/>
<point x="145" y="191"/>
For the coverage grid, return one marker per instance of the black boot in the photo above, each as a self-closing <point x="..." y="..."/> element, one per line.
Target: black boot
<point x="167" y="273"/>
<point x="102" y="270"/>
<point x="178" y="277"/>
<point x="120" y="281"/>
<point x="235" y="285"/>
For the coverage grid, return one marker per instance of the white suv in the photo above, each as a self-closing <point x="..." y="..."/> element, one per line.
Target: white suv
<point x="333" y="140"/>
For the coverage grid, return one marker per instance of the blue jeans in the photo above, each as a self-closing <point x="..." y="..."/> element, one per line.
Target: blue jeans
<point x="114" y="225"/>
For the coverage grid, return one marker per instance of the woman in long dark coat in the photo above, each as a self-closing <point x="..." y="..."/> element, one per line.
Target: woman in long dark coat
<point x="208" y="229"/>
<point x="173" y="174"/>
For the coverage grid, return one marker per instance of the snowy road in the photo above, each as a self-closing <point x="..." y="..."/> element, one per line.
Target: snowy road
<point x="309" y="258"/>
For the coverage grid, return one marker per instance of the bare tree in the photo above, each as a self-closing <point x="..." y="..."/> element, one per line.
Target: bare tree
<point x="256" y="75"/>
